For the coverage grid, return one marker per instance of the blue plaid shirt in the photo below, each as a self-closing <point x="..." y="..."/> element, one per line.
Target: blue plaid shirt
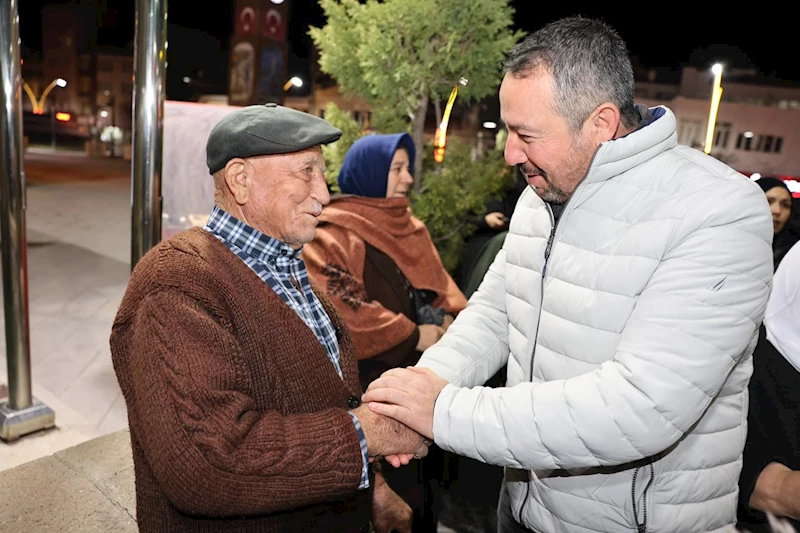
<point x="278" y="264"/>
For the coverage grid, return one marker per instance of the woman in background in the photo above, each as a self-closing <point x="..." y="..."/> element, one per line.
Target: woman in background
<point x="780" y="201"/>
<point x="378" y="265"/>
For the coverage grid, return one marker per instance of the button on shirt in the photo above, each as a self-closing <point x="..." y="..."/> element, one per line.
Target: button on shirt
<point x="281" y="268"/>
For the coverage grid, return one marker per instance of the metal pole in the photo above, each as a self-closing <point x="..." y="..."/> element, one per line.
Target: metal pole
<point x="22" y="413"/>
<point x="150" y="60"/>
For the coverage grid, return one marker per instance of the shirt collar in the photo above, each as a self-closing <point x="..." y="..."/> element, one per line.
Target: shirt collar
<point x="254" y="243"/>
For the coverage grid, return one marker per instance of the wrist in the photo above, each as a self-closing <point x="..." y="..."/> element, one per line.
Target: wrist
<point x="787" y="497"/>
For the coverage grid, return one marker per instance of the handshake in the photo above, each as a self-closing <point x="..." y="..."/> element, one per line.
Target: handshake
<point x="397" y="414"/>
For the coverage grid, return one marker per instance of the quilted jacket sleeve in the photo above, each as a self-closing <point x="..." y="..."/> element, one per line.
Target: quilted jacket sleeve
<point x="697" y="316"/>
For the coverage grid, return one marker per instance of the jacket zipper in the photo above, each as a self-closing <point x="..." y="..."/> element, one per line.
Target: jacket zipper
<point x="550" y="240"/>
<point x="641" y="527"/>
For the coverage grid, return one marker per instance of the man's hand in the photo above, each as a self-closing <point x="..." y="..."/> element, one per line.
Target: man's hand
<point x="495" y="220"/>
<point x="429" y="334"/>
<point x="389" y="511"/>
<point x="386" y="436"/>
<point x="408" y="395"/>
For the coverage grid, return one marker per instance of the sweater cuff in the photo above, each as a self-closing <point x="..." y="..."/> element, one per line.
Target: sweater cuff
<point x="362" y="440"/>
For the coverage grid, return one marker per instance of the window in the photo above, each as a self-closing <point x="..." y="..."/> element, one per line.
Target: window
<point x="721" y="134"/>
<point x="778" y="144"/>
<point x="688" y="131"/>
<point x="768" y="143"/>
<point x="748" y="143"/>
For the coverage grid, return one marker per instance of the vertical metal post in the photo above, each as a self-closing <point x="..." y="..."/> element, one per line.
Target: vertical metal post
<point x="150" y="65"/>
<point x="22" y="413"/>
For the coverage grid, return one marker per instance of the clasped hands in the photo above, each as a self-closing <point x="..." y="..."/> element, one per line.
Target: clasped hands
<point x="397" y="414"/>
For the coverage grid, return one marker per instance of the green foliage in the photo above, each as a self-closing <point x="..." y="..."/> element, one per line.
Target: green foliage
<point x="455" y="195"/>
<point x="334" y="152"/>
<point x="401" y="54"/>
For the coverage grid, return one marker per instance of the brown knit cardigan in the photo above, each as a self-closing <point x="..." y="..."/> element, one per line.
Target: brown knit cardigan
<point x="238" y="419"/>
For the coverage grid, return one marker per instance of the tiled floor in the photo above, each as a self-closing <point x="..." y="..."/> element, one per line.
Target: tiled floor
<point x="78" y="268"/>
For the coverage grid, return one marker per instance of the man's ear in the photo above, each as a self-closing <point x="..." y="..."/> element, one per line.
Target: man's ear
<point x="604" y="122"/>
<point x="237" y="181"/>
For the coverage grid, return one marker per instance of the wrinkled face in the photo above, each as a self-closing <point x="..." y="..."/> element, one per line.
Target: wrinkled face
<point x="780" y="202"/>
<point x="552" y="157"/>
<point x="286" y="194"/>
<point x="400" y="178"/>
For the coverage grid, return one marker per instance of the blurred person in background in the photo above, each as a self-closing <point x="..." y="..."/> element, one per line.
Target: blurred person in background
<point x="770" y="480"/>
<point x="380" y="268"/>
<point x="780" y="202"/>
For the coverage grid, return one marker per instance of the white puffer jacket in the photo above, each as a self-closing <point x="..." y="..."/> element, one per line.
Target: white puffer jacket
<point x="628" y="333"/>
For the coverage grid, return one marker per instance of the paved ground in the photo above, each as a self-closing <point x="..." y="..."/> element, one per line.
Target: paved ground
<point x="78" y="222"/>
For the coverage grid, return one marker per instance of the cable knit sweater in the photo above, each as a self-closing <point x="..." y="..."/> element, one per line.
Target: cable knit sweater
<point x="238" y="419"/>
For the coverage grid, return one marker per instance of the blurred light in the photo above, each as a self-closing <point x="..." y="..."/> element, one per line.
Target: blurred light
<point x="489" y="125"/>
<point x="279" y="2"/>
<point x="104" y="113"/>
<point x="61" y="82"/>
<point x="63" y="117"/>
<point x="755" y="175"/>
<point x="749" y="134"/>
<point x="293" y="81"/>
<point x="716" y="98"/>
<point x="440" y="137"/>
<point x="186" y="79"/>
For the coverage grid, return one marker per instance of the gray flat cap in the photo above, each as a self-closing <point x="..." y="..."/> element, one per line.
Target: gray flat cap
<point x="265" y="130"/>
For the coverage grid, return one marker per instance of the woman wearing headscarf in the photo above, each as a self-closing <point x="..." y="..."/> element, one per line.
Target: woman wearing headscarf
<point x="378" y="265"/>
<point x="780" y="201"/>
<point x="770" y="479"/>
<point x="377" y="262"/>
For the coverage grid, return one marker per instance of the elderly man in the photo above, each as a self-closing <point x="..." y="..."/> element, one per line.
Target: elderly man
<point x="626" y="303"/>
<point x="240" y="380"/>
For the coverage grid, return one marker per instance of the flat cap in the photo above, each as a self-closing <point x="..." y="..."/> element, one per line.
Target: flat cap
<point x="265" y="130"/>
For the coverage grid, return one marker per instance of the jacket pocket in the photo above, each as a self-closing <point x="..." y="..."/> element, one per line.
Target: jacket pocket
<point x="639" y="504"/>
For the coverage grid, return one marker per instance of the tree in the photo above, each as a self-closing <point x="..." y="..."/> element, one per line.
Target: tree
<point x="401" y="55"/>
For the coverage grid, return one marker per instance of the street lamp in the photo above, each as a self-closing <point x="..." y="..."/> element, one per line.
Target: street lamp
<point x="716" y="96"/>
<point x="38" y="103"/>
<point x="293" y="81"/>
<point x="440" y="137"/>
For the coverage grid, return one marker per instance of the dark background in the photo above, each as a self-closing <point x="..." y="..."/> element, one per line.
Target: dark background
<point x="658" y="34"/>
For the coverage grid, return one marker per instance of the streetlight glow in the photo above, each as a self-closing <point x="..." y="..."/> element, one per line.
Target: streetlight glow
<point x="489" y="125"/>
<point x="293" y="81"/>
<point x="38" y="103"/>
<point x="716" y="96"/>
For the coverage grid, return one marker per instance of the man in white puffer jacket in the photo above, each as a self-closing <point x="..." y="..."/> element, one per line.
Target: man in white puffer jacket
<point x="625" y="302"/>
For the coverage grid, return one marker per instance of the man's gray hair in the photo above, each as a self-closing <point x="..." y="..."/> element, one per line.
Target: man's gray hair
<point x="589" y="63"/>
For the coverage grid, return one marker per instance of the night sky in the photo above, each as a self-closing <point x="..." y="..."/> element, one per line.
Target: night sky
<point x="746" y="38"/>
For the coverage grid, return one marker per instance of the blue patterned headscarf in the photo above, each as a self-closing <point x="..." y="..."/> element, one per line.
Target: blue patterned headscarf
<point x="365" y="170"/>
